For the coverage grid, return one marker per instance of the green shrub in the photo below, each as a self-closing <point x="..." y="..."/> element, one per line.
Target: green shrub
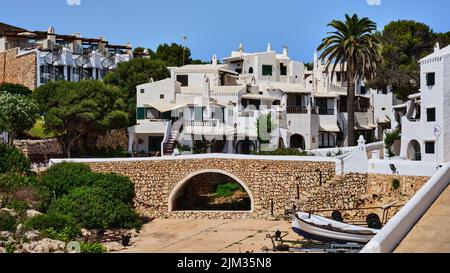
<point x="228" y="189"/>
<point x="389" y="140"/>
<point x="17" y="89"/>
<point x="118" y="186"/>
<point x="55" y="221"/>
<point x="62" y="178"/>
<point x="10" y="248"/>
<point x="93" y="207"/>
<point x="395" y="184"/>
<point x="65" y="235"/>
<point x="7" y="222"/>
<point x="17" y="205"/>
<point x="12" y="182"/>
<point x="92" y="248"/>
<point x="12" y="160"/>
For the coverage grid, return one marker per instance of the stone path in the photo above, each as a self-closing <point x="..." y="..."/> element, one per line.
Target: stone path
<point x="207" y="236"/>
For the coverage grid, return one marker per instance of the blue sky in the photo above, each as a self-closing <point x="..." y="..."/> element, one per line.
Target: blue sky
<point x="215" y="27"/>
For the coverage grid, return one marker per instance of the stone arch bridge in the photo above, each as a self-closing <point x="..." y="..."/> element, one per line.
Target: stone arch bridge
<point x="273" y="183"/>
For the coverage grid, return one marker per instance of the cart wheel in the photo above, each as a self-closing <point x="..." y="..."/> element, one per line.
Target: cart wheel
<point x="373" y="221"/>
<point x="337" y="216"/>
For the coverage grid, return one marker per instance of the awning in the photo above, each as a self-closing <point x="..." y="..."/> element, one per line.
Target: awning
<point x="385" y="119"/>
<point x="252" y="134"/>
<point x="333" y="128"/>
<point x="259" y="97"/>
<point x="166" y="107"/>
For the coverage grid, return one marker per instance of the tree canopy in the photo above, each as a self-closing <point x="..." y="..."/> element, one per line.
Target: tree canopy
<point x="17" y="113"/>
<point x="15" y="89"/>
<point x="404" y="44"/>
<point x="74" y="111"/>
<point x="352" y="42"/>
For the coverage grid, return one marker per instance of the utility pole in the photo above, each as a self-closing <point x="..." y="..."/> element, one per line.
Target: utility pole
<point x="184" y="40"/>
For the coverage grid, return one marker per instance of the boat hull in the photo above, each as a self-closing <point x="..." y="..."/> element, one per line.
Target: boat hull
<point x="314" y="232"/>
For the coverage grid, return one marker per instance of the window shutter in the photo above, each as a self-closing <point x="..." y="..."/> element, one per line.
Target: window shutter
<point x="140" y="113"/>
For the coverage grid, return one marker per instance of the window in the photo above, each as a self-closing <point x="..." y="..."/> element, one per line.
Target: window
<point x="250" y="70"/>
<point x="383" y="108"/>
<point x="431" y="114"/>
<point x="183" y="79"/>
<point x="267" y="70"/>
<point x="326" y="106"/>
<point x="363" y="90"/>
<point x="283" y="70"/>
<point x="326" y="140"/>
<point x="161" y="96"/>
<point x="338" y="76"/>
<point x="142" y="91"/>
<point x="431" y="79"/>
<point x="238" y="70"/>
<point x="429" y="147"/>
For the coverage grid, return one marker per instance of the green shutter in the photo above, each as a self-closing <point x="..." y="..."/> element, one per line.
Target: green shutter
<point x="140" y="113"/>
<point x="267" y="70"/>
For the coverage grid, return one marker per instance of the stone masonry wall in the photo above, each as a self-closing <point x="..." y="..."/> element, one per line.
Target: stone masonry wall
<point x="18" y="69"/>
<point x="273" y="185"/>
<point x="40" y="151"/>
<point x="113" y="139"/>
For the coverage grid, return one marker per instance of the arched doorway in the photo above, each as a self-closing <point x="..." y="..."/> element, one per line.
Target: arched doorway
<point x="210" y="190"/>
<point x="413" y="151"/>
<point x="245" y="147"/>
<point x="297" y="141"/>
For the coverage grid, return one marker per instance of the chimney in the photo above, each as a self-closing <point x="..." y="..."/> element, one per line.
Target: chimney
<point x="77" y="34"/>
<point x="146" y="53"/>
<point x="437" y="47"/>
<point x="241" y="47"/>
<point x="206" y="87"/>
<point x="51" y="37"/>
<point x="269" y="47"/>
<point x="214" y="59"/>
<point x="129" y="49"/>
<point x="285" y="51"/>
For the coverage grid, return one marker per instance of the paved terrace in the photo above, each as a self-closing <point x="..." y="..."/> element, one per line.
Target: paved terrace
<point x="432" y="232"/>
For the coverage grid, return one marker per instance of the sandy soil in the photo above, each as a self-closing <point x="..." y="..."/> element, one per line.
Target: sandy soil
<point x="207" y="236"/>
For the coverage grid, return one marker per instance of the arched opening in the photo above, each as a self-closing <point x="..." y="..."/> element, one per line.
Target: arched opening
<point x="211" y="190"/>
<point x="413" y="151"/>
<point x="245" y="147"/>
<point x="250" y="70"/>
<point x="297" y="141"/>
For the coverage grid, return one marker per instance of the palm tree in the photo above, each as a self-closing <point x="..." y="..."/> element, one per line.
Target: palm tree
<point x="352" y="42"/>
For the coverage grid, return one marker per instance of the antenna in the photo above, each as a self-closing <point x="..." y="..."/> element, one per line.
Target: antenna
<point x="184" y="39"/>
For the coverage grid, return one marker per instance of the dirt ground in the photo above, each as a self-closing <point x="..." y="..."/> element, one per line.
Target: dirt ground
<point x="207" y="236"/>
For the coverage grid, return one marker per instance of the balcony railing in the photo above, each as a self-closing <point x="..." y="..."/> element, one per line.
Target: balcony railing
<point x="205" y="123"/>
<point x="326" y="112"/>
<point x="297" y="110"/>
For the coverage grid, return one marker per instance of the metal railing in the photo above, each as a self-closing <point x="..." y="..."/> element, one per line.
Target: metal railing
<point x="326" y="112"/>
<point x="208" y="123"/>
<point x="297" y="110"/>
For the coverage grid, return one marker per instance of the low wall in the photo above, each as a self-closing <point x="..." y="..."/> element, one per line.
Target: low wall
<point x="401" y="224"/>
<point x="402" y="167"/>
<point x="40" y="151"/>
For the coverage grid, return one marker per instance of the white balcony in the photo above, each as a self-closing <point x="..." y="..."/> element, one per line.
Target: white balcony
<point x="151" y="126"/>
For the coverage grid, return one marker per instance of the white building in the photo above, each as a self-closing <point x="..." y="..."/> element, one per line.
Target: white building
<point x="222" y="102"/>
<point x="425" y="119"/>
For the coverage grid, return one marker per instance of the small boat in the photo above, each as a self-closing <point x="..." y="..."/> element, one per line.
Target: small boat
<point x="314" y="227"/>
